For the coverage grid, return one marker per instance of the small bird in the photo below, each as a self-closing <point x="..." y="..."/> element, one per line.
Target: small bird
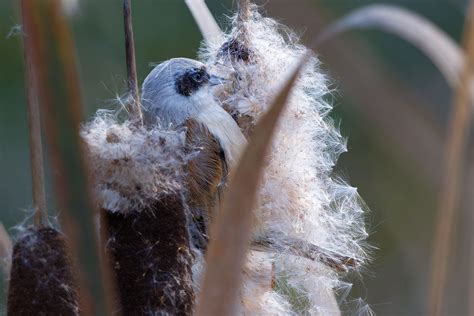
<point x="178" y="92"/>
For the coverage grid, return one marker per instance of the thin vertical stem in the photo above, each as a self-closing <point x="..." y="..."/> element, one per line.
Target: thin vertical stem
<point x="453" y="170"/>
<point x="134" y="103"/>
<point x="244" y="10"/>
<point x="243" y="16"/>
<point x="34" y="123"/>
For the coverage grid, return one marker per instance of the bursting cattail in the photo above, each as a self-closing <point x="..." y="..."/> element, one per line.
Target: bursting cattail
<point x="42" y="281"/>
<point x="139" y="186"/>
<point x="300" y="198"/>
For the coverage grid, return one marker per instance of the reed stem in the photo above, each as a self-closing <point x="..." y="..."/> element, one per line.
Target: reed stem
<point x="244" y="10"/>
<point x="455" y="148"/>
<point x="34" y="120"/>
<point x="134" y="106"/>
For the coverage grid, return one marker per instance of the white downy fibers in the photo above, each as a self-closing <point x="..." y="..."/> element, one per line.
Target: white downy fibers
<point x="133" y="166"/>
<point x="300" y="197"/>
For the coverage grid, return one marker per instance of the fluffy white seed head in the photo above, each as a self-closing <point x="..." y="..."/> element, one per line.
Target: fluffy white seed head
<point x="133" y="166"/>
<point x="300" y="197"/>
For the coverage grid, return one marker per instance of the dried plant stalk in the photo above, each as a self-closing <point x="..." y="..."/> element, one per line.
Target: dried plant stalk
<point x="42" y="281"/>
<point x="453" y="170"/>
<point x="244" y="10"/>
<point x="134" y="99"/>
<point x="231" y="231"/>
<point x="207" y="24"/>
<point x="152" y="258"/>
<point x="34" y="125"/>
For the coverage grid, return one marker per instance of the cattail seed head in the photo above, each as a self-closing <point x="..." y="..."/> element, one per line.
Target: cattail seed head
<point x="42" y="280"/>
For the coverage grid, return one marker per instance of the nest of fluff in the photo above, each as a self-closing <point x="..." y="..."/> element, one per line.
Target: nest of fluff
<point x="133" y="166"/>
<point x="300" y="196"/>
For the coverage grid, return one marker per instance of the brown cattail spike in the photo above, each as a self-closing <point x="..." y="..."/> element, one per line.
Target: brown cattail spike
<point x="151" y="258"/>
<point x="134" y="98"/>
<point x="42" y="281"/>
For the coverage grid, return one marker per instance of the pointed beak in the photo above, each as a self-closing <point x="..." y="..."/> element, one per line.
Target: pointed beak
<point x="216" y="80"/>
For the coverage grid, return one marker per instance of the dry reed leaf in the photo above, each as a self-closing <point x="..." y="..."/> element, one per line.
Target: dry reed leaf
<point x="458" y="128"/>
<point x="420" y="32"/>
<point x="208" y="26"/>
<point x="6" y="249"/>
<point x="231" y="232"/>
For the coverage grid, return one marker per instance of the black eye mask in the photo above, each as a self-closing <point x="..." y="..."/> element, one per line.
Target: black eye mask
<point x="190" y="81"/>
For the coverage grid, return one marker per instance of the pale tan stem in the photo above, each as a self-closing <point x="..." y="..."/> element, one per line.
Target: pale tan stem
<point x="244" y="10"/>
<point x="34" y="120"/>
<point x="453" y="170"/>
<point x="134" y="105"/>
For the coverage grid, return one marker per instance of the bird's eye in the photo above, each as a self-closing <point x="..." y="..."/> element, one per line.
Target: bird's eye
<point x="191" y="81"/>
<point x="197" y="76"/>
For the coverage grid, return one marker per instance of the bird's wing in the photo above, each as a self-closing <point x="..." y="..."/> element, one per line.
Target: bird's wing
<point x="207" y="172"/>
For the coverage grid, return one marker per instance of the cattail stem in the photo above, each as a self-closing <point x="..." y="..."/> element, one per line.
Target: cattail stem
<point x="243" y="16"/>
<point x="457" y="135"/>
<point x="134" y="99"/>
<point x="244" y="10"/>
<point x="34" y="123"/>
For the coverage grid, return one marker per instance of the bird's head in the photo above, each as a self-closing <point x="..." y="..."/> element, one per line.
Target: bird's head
<point x="176" y="90"/>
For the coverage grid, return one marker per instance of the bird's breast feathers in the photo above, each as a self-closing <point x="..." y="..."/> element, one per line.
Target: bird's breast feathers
<point x="222" y="126"/>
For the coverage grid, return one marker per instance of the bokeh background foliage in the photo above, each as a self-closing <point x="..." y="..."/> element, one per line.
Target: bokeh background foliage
<point x="392" y="103"/>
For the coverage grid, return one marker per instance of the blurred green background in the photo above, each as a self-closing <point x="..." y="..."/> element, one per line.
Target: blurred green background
<point x="392" y="103"/>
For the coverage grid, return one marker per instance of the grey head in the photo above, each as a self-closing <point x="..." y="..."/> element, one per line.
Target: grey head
<point x="176" y="90"/>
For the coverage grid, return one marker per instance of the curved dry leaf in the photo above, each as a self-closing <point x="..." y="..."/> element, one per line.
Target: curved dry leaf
<point x="231" y="232"/>
<point x="435" y="43"/>
<point x="208" y="26"/>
